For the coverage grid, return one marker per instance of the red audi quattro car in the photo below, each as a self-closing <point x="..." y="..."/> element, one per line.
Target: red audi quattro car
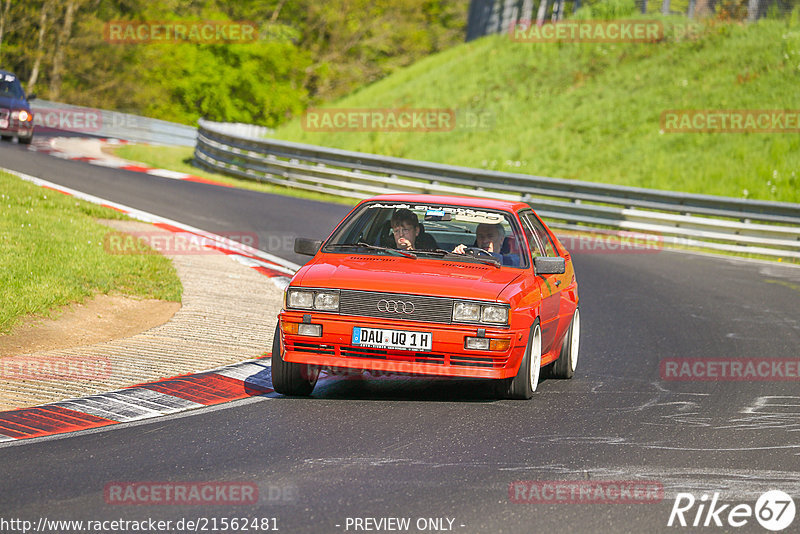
<point x="431" y="285"/>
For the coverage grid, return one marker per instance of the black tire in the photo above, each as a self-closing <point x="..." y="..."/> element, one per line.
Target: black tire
<point x="523" y="385"/>
<point x="25" y="140"/>
<point x="564" y="366"/>
<point x="289" y="378"/>
<point x="6" y="137"/>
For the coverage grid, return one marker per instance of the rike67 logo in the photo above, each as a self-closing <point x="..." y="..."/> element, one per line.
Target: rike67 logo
<point x="774" y="510"/>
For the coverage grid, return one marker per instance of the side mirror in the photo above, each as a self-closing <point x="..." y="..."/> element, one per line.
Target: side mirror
<point x="309" y="247"/>
<point x="32" y="96"/>
<point x="545" y="265"/>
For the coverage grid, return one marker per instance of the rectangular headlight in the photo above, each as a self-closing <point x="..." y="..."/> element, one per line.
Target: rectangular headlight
<point x="326" y="301"/>
<point x="494" y="314"/>
<point x="300" y="299"/>
<point x="466" y="311"/>
<point x="312" y="299"/>
<point x="474" y="312"/>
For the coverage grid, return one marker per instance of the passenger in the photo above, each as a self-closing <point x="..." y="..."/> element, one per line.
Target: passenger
<point x="408" y="233"/>
<point x="490" y="238"/>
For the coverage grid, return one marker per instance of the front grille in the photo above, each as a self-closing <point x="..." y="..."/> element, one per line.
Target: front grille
<point x="479" y="361"/>
<point x="365" y="304"/>
<point x="459" y="360"/>
<point x="401" y="356"/>
<point x="313" y="348"/>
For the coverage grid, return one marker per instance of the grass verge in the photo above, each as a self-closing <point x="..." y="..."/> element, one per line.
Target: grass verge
<point x="52" y="254"/>
<point x="592" y="111"/>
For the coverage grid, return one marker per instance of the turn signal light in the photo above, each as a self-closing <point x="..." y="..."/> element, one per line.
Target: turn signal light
<point x="499" y="344"/>
<point x="289" y="328"/>
<point x="484" y="343"/>
<point x="302" y="329"/>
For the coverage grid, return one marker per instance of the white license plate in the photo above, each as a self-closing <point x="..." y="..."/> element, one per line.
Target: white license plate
<point x="3" y="123"/>
<point x="392" y="339"/>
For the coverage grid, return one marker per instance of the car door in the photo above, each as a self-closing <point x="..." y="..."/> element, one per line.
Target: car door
<point x="565" y="283"/>
<point x="549" y="314"/>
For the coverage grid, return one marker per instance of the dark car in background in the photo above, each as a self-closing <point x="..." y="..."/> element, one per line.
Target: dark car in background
<point x="16" y="117"/>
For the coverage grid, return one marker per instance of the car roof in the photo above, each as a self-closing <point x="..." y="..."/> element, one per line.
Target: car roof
<point x="472" y="202"/>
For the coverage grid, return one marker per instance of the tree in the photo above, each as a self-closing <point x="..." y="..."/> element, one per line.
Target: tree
<point x="3" y="19"/>
<point x="542" y="12"/>
<point x="40" y="43"/>
<point x="61" y="43"/>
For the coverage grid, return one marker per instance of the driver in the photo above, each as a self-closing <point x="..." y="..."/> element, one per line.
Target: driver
<point x="490" y="238"/>
<point x="407" y="232"/>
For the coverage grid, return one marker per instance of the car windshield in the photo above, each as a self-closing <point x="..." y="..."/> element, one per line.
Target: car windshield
<point x="10" y="87"/>
<point x="432" y="231"/>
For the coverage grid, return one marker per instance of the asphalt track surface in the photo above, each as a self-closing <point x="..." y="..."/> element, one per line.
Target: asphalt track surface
<point x="411" y="448"/>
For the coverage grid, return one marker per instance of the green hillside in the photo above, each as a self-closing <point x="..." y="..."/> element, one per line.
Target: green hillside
<point x="591" y="111"/>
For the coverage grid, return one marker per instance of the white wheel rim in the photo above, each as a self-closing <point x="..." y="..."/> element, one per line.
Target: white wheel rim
<point x="574" y="342"/>
<point x="536" y="358"/>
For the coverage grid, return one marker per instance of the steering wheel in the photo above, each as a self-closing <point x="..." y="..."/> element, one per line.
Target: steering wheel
<point x="478" y="252"/>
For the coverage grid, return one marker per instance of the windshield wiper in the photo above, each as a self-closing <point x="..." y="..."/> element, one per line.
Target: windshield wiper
<point x="361" y="244"/>
<point x="447" y="253"/>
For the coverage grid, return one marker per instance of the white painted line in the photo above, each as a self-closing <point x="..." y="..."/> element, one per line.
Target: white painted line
<point x="110" y="408"/>
<point x="130" y="404"/>
<point x="281" y="282"/>
<point x="261" y="362"/>
<point x="243" y="371"/>
<point x="108" y="163"/>
<point x="288" y="266"/>
<point x="251" y="262"/>
<point x="155" y="400"/>
<point x="164" y="173"/>
<point x="79" y="405"/>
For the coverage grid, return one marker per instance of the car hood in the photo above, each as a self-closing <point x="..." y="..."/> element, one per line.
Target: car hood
<point x="13" y="103"/>
<point x="408" y="276"/>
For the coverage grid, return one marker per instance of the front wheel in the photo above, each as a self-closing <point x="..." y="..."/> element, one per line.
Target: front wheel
<point x="524" y="384"/>
<point x="289" y="378"/>
<point x="567" y="362"/>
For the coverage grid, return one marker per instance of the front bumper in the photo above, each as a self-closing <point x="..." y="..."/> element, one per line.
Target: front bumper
<point x="11" y="126"/>
<point x="447" y="356"/>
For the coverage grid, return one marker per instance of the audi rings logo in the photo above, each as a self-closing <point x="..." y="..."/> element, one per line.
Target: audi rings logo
<point x="396" y="306"/>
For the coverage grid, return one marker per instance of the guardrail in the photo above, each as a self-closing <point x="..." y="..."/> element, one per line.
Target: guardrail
<point x="113" y="124"/>
<point x="703" y="221"/>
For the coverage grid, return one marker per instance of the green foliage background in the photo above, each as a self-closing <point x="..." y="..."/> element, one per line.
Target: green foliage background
<point x="308" y="51"/>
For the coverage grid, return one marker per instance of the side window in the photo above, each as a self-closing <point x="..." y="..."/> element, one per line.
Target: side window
<point x="542" y="237"/>
<point x="536" y="248"/>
